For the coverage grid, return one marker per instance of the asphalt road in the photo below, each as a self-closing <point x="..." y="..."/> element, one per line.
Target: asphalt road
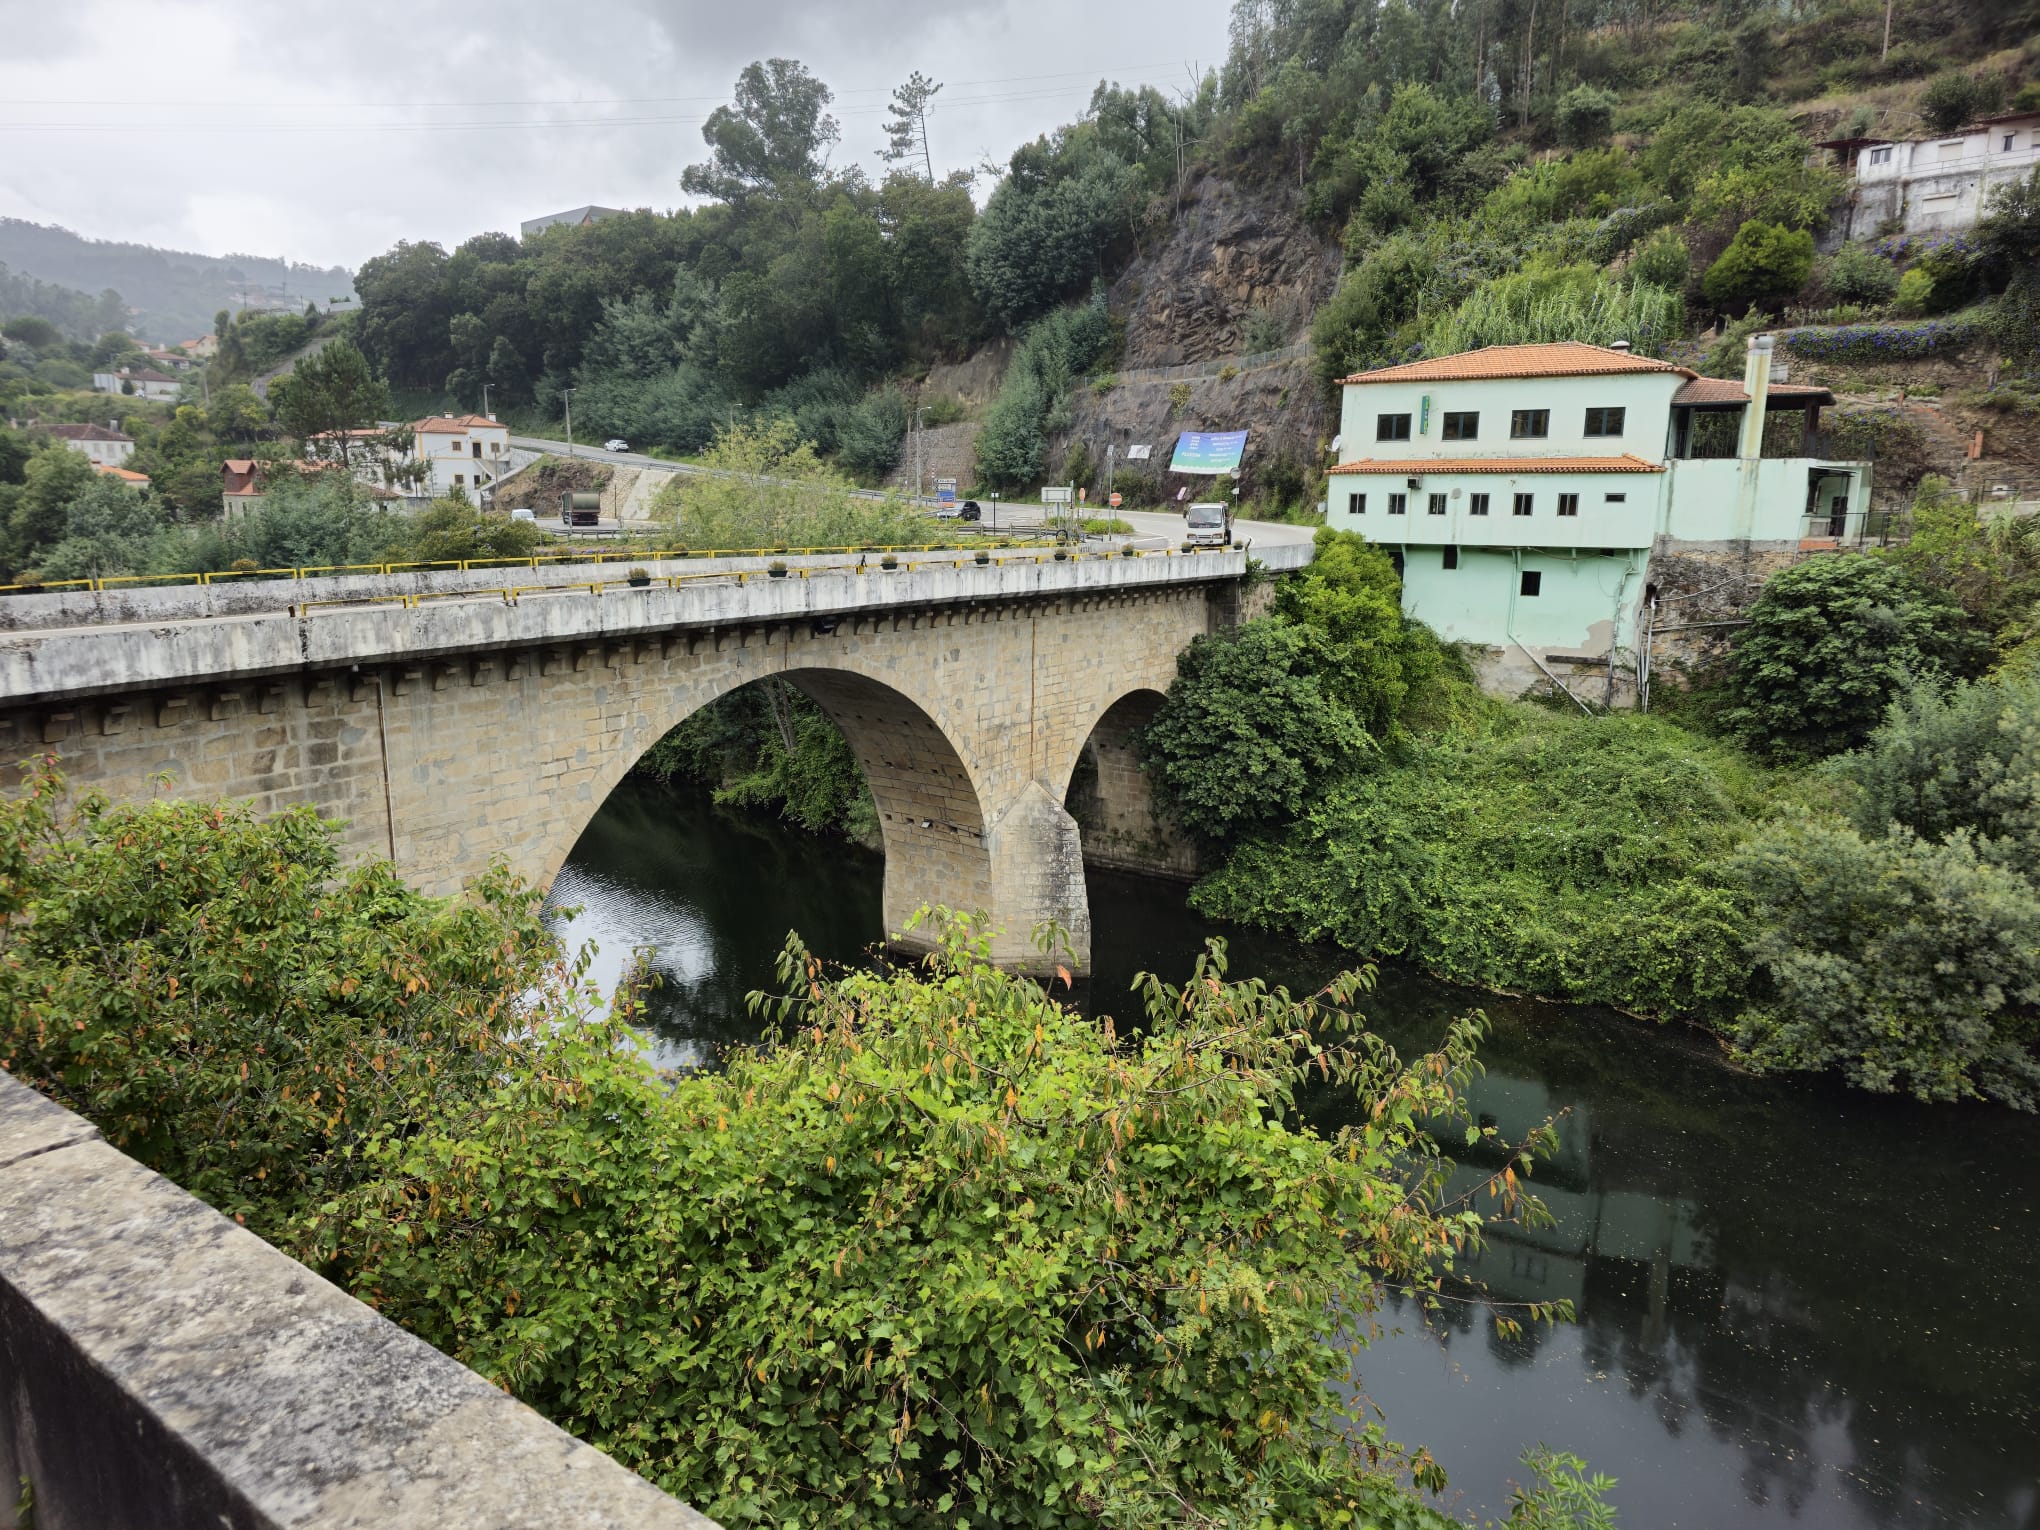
<point x="1151" y="527"/>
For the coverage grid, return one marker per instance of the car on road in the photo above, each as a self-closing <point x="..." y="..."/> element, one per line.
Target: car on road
<point x="1208" y="525"/>
<point x="615" y="445"/>
<point x="522" y="513"/>
<point x="969" y="511"/>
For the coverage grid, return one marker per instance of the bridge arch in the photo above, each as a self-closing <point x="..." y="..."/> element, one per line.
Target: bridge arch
<point x="1111" y="797"/>
<point x="931" y="817"/>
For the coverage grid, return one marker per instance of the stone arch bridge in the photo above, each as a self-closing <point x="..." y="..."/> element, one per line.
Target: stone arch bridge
<point x="459" y="725"/>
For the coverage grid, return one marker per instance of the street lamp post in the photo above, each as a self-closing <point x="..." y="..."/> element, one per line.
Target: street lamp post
<point x="568" y="395"/>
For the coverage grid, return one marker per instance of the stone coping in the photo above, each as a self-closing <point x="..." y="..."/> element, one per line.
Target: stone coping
<point x="54" y="663"/>
<point x="162" y="1367"/>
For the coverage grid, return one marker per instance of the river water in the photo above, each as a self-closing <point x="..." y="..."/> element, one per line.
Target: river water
<point x="1796" y="1305"/>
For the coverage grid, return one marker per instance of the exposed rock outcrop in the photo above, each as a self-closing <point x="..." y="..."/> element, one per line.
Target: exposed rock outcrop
<point x="1228" y="255"/>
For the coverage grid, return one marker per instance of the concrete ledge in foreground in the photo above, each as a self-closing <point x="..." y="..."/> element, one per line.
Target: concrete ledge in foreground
<point x="162" y="1368"/>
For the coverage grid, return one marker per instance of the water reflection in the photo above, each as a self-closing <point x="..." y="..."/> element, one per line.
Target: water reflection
<point x="1795" y="1305"/>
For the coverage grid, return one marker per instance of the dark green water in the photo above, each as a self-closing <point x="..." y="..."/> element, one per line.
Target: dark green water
<point x="1796" y="1305"/>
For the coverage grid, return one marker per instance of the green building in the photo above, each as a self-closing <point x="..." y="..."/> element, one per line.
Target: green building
<point x="1566" y="508"/>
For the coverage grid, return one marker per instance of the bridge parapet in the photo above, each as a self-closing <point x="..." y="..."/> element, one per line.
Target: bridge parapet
<point x="161" y="1367"/>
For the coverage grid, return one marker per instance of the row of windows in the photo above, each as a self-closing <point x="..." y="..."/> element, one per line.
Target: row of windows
<point x="1524" y="424"/>
<point x="1476" y="504"/>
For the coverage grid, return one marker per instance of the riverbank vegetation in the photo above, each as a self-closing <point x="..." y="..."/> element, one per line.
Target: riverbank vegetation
<point x="941" y="1249"/>
<point x="1832" y="862"/>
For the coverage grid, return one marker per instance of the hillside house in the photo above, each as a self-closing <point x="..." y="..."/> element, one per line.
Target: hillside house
<point x="126" y="477"/>
<point x="573" y="217"/>
<point x="1933" y="185"/>
<point x="102" y="444"/>
<point x="137" y="382"/>
<point x="243" y="483"/>
<point x="467" y="452"/>
<point x="204" y="348"/>
<point x="1528" y="490"/>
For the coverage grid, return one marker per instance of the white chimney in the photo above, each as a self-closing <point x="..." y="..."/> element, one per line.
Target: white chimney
<point x="1618" y="345"/>
<point x="1757" y="384"/>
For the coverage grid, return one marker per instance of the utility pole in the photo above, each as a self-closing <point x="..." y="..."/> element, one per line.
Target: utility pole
<point x="568" y="395"/>
<point x="920" y="428"/>
<point x="485" y="399"/>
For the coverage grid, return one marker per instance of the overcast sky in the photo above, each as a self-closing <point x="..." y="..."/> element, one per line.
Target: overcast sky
<point x="326" y="133"/>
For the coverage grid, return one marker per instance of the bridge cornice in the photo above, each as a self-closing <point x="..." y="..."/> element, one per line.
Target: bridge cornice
<point x="58" y="664"/>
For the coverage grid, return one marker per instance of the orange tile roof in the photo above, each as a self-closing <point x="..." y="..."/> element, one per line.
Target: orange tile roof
<point x="1727" y="390"/>
<point x="1562" y="358"/>
<point x="1628" y="462"/>
<point x="123" y="474"/>
<point x="439" y="424"/>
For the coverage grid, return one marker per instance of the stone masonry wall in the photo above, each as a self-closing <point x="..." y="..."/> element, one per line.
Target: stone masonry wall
<point x="968" y="719"/>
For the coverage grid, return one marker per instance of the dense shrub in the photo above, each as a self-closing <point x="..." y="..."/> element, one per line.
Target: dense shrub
<point x="1561" y="855"/>
<point x="1905" y="963"/>
<point x="1882" y="342"/>
<point x="1855" y="275"/>
<point x="1962" y="760"/>
<point x="1764" y="265"/>
<point x="769" y="489"/>
<point x="1829" y="642"/>
<point x="1251" y="727"/>
<point x="1662" y="261"/>
<point x="1033" y="401"/>
<point x="1585" y="116"/>
<point x="949" y="1251"/>
<point x="1572" y="303"/>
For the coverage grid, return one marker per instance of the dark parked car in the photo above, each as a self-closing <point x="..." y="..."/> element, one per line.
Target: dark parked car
<point x="968" y="510"/>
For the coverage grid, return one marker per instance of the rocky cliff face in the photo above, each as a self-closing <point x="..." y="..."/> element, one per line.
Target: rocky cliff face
<point x="1229" y="257"/>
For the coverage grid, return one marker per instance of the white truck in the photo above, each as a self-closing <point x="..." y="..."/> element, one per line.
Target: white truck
<point x="1208" y="524"/>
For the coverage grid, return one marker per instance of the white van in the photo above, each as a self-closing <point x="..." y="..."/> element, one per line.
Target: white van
<point x="522" y="513"/>
<point x="1208" y="524"/>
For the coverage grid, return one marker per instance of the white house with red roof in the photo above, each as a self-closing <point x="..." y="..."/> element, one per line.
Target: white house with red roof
<point x="1526" y="489"/>
<point x="1934" y="185"/>
<point x="468" y="452"/>
<point x="103" y="445"/>
<point x="138" y="382"/>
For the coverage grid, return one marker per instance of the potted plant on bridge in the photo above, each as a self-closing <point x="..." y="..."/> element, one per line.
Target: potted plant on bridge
<point x="982" y="556"/>
<point x="639" y="577"/>
<point x="889" y="563"/>
<point x="776" y="568"/>
<point x="1128" y="551"/>
<point x="1062" y="555"/>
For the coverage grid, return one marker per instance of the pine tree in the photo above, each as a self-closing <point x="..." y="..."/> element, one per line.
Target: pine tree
<point x="907" y="126"/>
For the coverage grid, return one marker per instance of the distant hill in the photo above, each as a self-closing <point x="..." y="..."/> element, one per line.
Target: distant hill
<point x="173" y="293"/>
<point x="79" y="315"/>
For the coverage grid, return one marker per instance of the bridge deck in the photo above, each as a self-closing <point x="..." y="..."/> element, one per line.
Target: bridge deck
<point x="136" y="639"/>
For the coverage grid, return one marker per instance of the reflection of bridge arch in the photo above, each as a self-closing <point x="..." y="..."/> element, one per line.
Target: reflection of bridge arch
<point x="450" y="735"/>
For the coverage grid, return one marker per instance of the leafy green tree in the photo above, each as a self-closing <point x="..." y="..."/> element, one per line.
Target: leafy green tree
<point x="1763" y="265"/>
<point x="774" y="139"/>
<point x="1829" y="642"/>
<point x="334" y="390"/>
<point x="768" y="746"/>
<point x="769" y="489"/>
<point x="1251" y="728"/>
<point x="871" y="435"/>
<point x="1950" y="100"/>
<point x="52" y="480"/>
<point x="1585" y="116"/>
<point x="37" y="334"/>
<point x="1380" y="664"/>
<point x="108" y="529"/>
<point x="1906" y="964"/>
<point x="1048" y="226"/>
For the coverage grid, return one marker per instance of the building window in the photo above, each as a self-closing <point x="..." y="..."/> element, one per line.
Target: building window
<point x="478" y="446"/>
<point x="1391" y="427"/>
<point x="1437" y="505"/>
<point x="1452" y="557"/>
<point x="1462" y="427"/>
<point x="1522" y="504"/>
<point x="1618" y="499"/>
<point x="1568" y="504"/>
<point x="1880" y="156"/>
<point x="1529" y="424"/>
<point x="1356" y="504"/>
<point x="460" y="480"/>
<point x="1605" y="422"/>
<point x="2011" y="142"/>
<point x="1398" y="503"/>
<point x="1476" y="504"/>
<point x="1533" y="582"/>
